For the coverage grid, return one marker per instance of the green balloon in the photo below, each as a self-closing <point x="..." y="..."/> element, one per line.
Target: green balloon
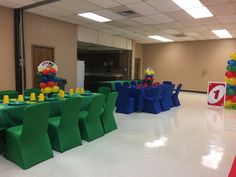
<point x="230" y="92"/>
<point x="231" y="68"/>
<point x="39" y="75"/>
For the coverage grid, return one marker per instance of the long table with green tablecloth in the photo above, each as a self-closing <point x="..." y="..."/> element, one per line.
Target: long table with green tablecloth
<point x="112" y="83"/>
<point x="13" y="115"/>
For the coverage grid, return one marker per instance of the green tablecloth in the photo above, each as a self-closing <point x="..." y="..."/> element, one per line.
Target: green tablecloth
<point x="112" y="83"/>
<point x="13" y="115"/>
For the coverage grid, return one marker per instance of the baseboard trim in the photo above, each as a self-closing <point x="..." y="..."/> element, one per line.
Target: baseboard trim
<point x="193" y="91"/>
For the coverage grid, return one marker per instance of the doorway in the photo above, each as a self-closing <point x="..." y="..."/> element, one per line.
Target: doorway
<point x="40" y="54"/>
<point x="137" y="66"/>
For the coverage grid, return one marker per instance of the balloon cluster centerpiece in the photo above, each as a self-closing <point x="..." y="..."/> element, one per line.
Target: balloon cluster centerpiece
<point x="149" y="76"/>
<point x="47" y="77"/>
<point x="230" y="79"/>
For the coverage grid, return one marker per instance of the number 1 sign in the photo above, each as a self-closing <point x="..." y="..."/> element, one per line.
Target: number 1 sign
<point x="216" y="93"/>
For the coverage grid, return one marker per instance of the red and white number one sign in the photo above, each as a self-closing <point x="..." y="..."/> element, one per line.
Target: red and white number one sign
<point x="216" y="93"/>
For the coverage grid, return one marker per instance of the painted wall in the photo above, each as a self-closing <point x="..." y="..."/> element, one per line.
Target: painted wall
<point x="49" y="32"/>
<point x="7" y="62"/>
<point x="190" y="63"/>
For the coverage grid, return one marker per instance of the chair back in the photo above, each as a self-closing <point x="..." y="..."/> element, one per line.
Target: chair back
<point x="95" y="107"/>
<point x="178" y="89"/>
<point x="70" y="112"/>
<point x="159" y="92"/>
<point x="126" y="84"/>
<point x="170" y="89"/>
<point x="111" y="102"/>
<point x="167" y="82"/>
<point x="10" y="93"/>
<point x="35" y="122"/>
<point x="104" y="90"/>
<point x="117" y="85"/>
<point x="27" y="92"/>
<point x="133" y="83"/>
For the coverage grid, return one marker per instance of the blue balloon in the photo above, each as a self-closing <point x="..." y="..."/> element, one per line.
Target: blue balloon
<point x="231" y="62"/>
<point x="55" y="79"/>
<point x="231" y="87"/>
<point x="44" y="79"/>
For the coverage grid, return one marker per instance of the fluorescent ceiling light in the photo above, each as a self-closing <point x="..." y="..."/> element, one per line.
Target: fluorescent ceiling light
<point x="194" y="8"/>
<point x="188" y="4"/>
<point x="159" y="38"/>
<point x="95" y="17"/>
<point x="200" y="12"/>
<point x="223" y="33"/>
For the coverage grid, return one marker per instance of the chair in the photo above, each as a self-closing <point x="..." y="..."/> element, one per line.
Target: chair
<point x="104" y="90"/>
<point x="126" y="84"/>
<point x="117" y="86"/>
<point x="176" y="95"/>
<point x="167" y="82"/>
<point x="29" y="144"/>
<point x="10" y="93"/>
<point x="63" y="130"/>
<point x="107" y="116"/>
<point x="125" y="103"/>
<point x="133" y="83"/>
<point x="152" y="100"/>
<point x="27" y="92"/>
<point x="166" y="100"/>
<point x="91" y="126"/>
<point x="170" y="92"/>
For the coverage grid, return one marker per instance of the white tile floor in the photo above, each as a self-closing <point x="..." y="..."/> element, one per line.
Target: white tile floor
<point x="192" y="140"/>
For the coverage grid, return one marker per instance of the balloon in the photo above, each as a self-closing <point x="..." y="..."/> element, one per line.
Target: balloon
<point x="55" y="79"/>
<point x="226" y="80"/>
<point x="230" y="92"/>
<point x="230" y="74"/>
<point x="42" y="90"/>
<point x="42" y="85"/>
<point x="232" y="81"/>
<point x="233" y="56"/>
<point x="43" y="79"/>
<point x="39" y="74"/>
<point x="51" y="75"/>
<point x="45" y="72"/>
<point x="52" y="70"/>
<point x="50" y="84"/>
<point x="55" y="89"/>
<point x="231" y="62"/>
<point x="233" y="99"/>
<point x="228" y="104"/>
<point x="234" y="105"/>
<point x="228" y="97"/>
<point x="231" y="68"/>
<point x="47" y="90"/>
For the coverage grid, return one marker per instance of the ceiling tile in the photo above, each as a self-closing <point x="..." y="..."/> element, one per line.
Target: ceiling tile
<point x="222" y="9"/>
<point x="227" y="18"/>
<point x="170" y="31"/>
<point x="160" y="18"/>
<point x="143" y="20"/>
<point x="163" y="5"/>
<point x="179" y="15"/>
<point x="109" y="14"/>
<point x="105" y="3"/>
<point x="127" y="1"/>
<point x="142" y="8"/>
<point x="83" y="4"/>
<point x="129" y="22"/>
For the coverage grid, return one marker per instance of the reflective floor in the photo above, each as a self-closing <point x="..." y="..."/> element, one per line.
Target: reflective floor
<point x="192" y="140"/>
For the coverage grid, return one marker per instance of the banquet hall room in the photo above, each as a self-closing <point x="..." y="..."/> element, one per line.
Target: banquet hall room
<point x="117" y="88"/>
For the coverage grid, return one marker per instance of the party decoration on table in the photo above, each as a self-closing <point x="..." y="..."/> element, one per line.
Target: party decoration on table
<point x="47" y="77"/>
<point x="149" y="76"/>
<point x="230" y="80"/>
<point x="5" y="99"/>
<point x="41" y="97"/>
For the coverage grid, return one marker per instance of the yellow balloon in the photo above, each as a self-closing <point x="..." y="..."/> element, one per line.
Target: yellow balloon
<point x="55" y="89"/>
<point x="232" y="81"/>
<point x="47" y="90"/>
<point x="226" y="80"/>
<point x="228" y="104"/>
<point x="42" y="90"/>
<point x="233" y="56"/>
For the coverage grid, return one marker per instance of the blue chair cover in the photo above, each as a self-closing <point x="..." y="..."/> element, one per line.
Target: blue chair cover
<point x="117" y="85"/>
<point x="167" y="82"/>
<point x="165" y="103"/>
<point x="133" y="83"/>
<point x="125" y="103"/>
<point x="126" y="84"/>
<point x="138" y="95"/>
<point x="151" y="100"/>
<point x="175" y="96"/>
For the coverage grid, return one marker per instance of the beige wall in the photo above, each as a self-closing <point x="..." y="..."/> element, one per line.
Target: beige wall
<point x="62" y="36"/>
<point x="7" y="63"/>
<point x="190" y="63"/>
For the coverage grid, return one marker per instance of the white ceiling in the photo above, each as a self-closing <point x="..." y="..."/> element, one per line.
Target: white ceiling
<point x="154" y="17"/>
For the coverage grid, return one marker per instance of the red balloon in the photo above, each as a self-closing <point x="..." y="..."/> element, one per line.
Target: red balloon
<point x="45" y="72"/>
<point x="230" y="74"/>
<point x="50" y="84"/>
<point x="52" y="70"/>
<point x="233" y="98"/>
<point x="228" y="97"/>
<point x="42" y="85"/>
<point x="55" y="83"/>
